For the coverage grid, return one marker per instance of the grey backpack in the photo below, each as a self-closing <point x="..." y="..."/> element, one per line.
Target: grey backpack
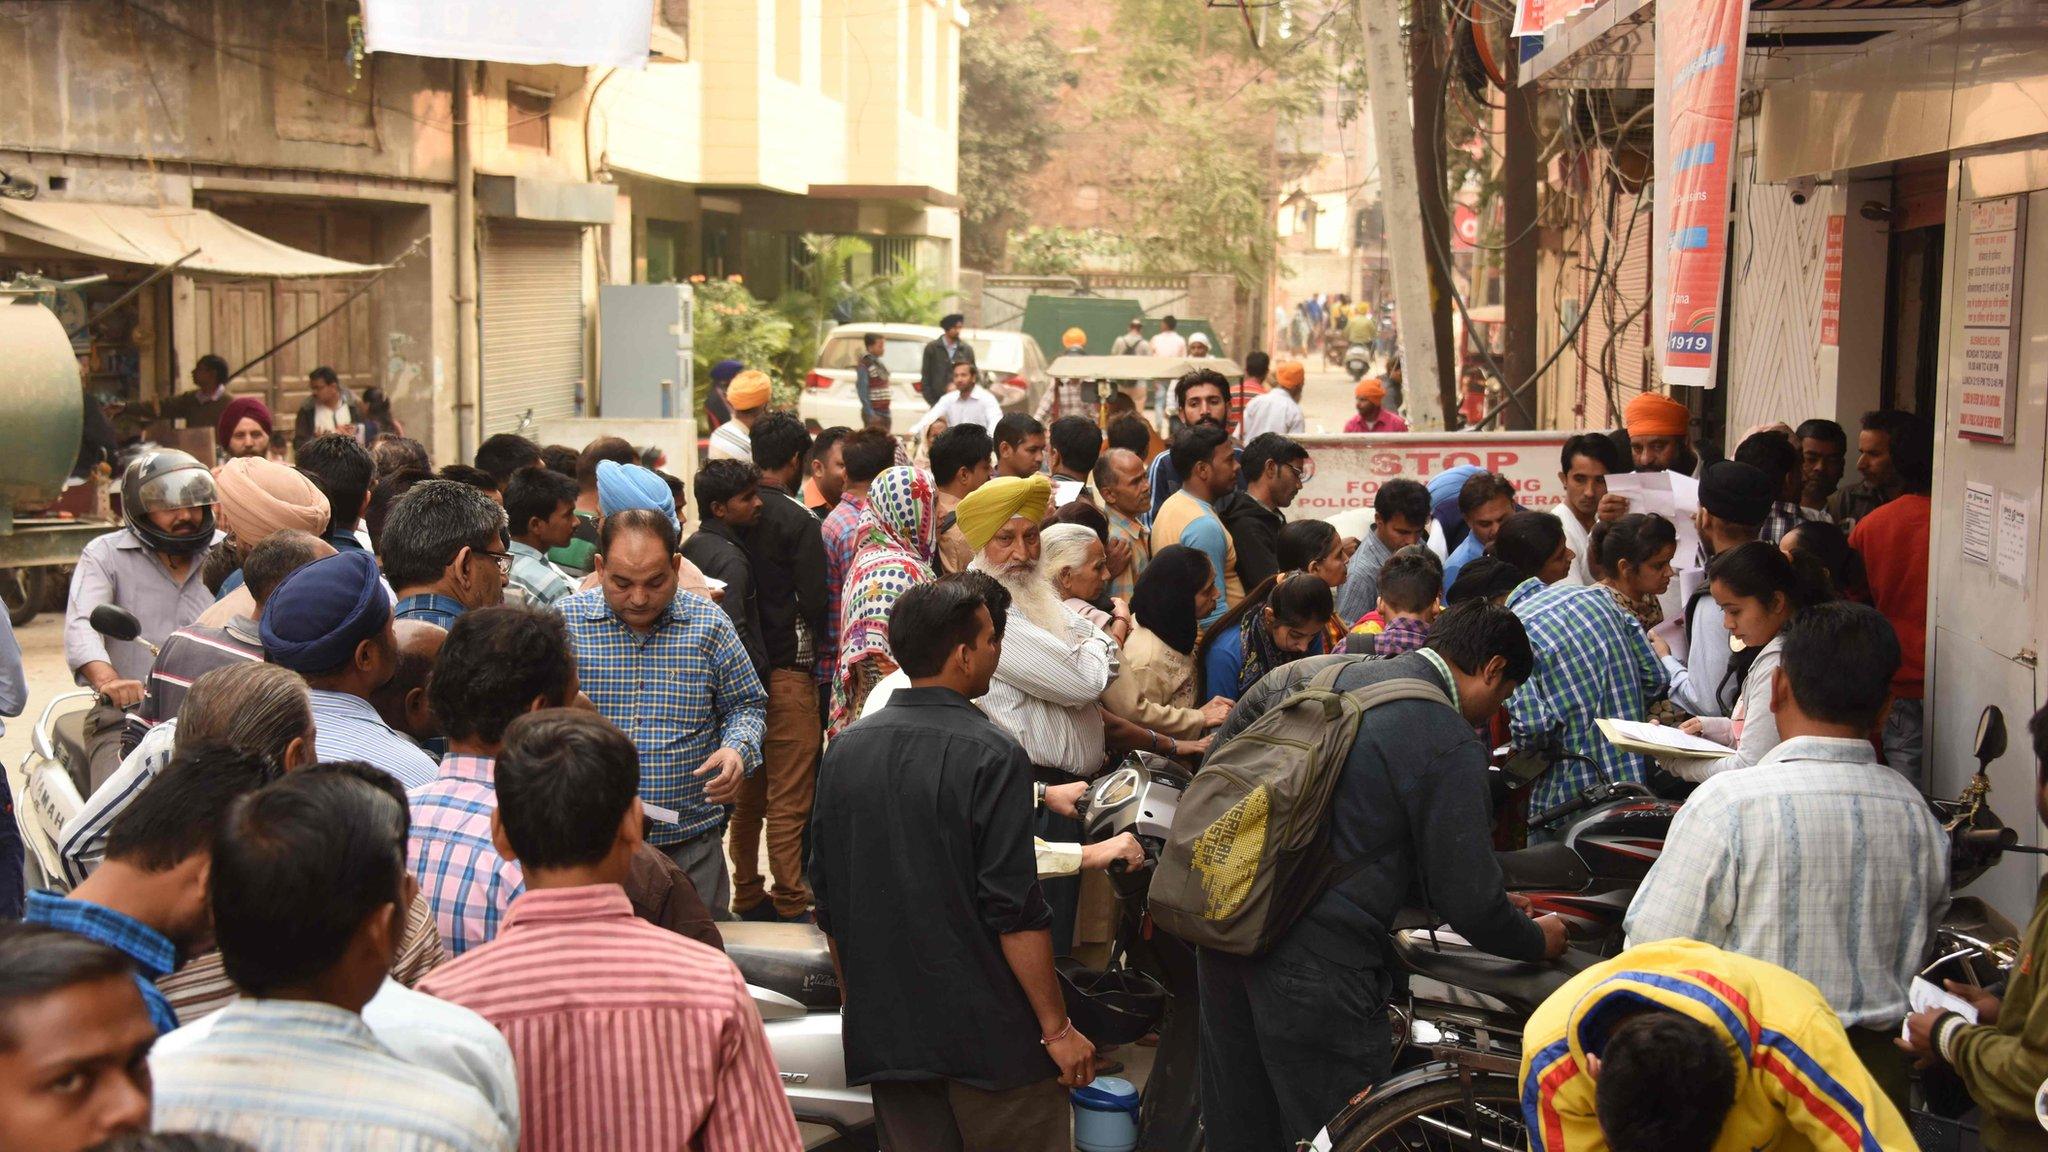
<point x="1249" y="851"/>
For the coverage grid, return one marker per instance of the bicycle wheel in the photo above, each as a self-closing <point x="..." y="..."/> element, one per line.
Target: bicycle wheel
<point x="1483" y="1114"/>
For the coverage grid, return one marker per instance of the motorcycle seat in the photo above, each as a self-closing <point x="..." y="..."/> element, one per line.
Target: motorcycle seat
<point x="1553" y="866"/>
<point x="788" y="958"/>
<point x="67" y="732"/>
<point x="1450" y="960"/>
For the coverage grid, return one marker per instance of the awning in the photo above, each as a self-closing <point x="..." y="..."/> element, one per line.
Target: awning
<point x="158" y="236"/>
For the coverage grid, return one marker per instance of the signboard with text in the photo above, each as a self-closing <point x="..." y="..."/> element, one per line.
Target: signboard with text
<point x="1831" y="285"/>
<point x="1699" y="66"/>
<point x="1992" y="276"/>
<point x="1350" y="469"/>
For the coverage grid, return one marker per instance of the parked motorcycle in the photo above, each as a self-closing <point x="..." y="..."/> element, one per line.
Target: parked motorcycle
<point x="52" y="781"/>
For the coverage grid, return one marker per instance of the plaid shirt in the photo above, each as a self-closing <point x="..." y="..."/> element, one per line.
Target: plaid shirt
<point x="1593" y="661"/>
<point x="1134" y="533"/>
<point x="534" y="576"/>
<point x="431" y="607"/>
<point x="681" y="692"/>
<point x="841" y="532"/>
<point x="464" y="880"/>
<point x="1779" y="863"/>
<point x="1785" y="516"/>
<point x="151" y="952"/>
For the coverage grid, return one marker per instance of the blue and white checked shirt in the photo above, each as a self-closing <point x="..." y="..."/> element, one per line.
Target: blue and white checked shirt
<point x="534" y="576"/>
<point x="682" y="691"/>
<point x="431" y="607"/>
<point x="151" y="952"/>
<point x="346" y="727"/>
<point x="295" y="1074"/>
<point x="1819" y="860"/>
<point x="1592" y="661"/>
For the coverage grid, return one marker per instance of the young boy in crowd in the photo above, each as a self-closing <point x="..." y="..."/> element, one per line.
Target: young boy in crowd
<point x="1407" y="606"/>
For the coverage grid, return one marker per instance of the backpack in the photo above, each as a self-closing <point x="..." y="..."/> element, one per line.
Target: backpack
<point x="1249" y="850"/>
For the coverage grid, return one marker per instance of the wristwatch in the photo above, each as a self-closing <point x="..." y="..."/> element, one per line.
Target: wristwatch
<point x="1038" y="794"/>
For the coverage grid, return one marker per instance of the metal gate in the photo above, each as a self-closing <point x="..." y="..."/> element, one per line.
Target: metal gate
<point x="532" y="319"/>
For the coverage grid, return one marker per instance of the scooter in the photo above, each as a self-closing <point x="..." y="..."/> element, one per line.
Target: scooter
<point x="52" y="781"/>
<point x="1357" y="361"/>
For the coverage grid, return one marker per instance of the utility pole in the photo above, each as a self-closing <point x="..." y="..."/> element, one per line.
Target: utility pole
<point x="1403" y="198"/>
<point x="1425" y="40"/>
<point x="1518" y="262"/>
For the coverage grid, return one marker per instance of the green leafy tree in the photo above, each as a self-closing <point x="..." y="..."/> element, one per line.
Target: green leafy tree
<point x="732" y="325"/>
<point x="1008" y="86"/>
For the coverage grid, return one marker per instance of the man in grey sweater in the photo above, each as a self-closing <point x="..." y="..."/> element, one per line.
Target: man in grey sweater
<point x="1290" y="1036"/>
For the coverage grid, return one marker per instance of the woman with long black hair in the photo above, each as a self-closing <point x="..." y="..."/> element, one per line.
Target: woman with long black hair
<point x="1277" y="623"/>
<point x="1758" y="589"/>
<point x="1157" y="685"/>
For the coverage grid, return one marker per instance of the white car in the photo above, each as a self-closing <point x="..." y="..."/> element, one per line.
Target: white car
<point x="1012" y="367"/>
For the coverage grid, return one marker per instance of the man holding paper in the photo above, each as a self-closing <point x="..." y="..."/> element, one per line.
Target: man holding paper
<point x="1819" y="859"/>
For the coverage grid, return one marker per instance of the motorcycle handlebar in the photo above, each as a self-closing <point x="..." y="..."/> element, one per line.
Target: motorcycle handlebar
<point x="1988" y="839"/>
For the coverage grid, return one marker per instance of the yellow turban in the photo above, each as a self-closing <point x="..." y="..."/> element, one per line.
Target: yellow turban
<point x="1073" y="338"/>
<point x="985" y="510"/>
<point x="749" y="389"/>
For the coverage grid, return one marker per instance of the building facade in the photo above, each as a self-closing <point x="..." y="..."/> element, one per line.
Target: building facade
<point x="468" y="212"/>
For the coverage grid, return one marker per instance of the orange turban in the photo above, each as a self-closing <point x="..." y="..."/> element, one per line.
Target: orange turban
<point x="1371" y="389"/>
<point x="1651" y="414"/>
<point x="1073" y="338"/>
<point x="1289" y="374"/>
<point x="748" y="390"/>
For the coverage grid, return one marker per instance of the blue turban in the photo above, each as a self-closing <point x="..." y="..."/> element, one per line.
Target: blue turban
<point x="314" y="619"/>
<point x="1443" y="501"/>
<point x="725" y="370"/>
<point x="623" y="487"/>
<point x="1443" y="494"/>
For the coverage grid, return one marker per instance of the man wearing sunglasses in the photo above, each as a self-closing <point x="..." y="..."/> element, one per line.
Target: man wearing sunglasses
<point x="1275" y="469"/>
<point x="445" y="552"/>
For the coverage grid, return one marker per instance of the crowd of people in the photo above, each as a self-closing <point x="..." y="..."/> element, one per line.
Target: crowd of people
<point x="416" y="829"/>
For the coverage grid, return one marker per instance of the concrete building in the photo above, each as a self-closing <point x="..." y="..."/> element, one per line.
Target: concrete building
<point x="473" y="208"/>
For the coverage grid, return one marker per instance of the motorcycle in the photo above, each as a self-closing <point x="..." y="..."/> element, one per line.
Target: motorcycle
<point x="1357" y="361"/>
<point x="53" y="779"/>
<point x="1458" y="1036"/>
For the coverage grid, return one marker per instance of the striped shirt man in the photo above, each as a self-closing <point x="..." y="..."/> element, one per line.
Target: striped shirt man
<point x="841" y="534"/>
<point x="459" y="870"/>
<point x="188" y="654"/>
<point x="347" y="727"/>
<point x="626" y="1037"/>
<point x="295" y="1074"/>
<point x="1819" y="860"/>
<point x="1592" y="662"/>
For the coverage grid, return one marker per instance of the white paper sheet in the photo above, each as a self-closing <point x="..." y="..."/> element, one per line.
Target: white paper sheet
<point x="1979" y="512"/>
<point x="2015" y="512"/>
<point x="1666" y="740"/>
<point x="1924" y="994"/>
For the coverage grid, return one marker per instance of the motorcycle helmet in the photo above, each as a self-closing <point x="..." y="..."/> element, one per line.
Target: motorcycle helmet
<point x="1110" y="1005"/>
<point x="162" y="480"/>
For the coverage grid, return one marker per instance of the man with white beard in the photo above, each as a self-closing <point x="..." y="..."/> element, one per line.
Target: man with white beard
<point x="1054" y="665"/>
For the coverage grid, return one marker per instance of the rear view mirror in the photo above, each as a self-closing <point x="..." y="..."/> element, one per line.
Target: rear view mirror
<point x="1990" y="743"/>
<point x="115" y="622"/>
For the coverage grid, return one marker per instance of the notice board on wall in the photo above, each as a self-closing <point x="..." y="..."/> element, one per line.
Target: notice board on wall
<point x="1993" y="275"/>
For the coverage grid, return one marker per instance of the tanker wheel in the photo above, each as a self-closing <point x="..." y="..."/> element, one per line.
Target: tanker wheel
<point x="22" y="589"/>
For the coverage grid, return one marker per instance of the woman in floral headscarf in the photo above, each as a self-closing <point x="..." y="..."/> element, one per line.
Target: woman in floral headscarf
<point x="899" y="536"/>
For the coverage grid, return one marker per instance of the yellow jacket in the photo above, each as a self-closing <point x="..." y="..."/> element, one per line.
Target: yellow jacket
<point x="1800" y="1086"/>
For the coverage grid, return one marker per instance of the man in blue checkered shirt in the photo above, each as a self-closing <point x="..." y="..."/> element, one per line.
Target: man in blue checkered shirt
<point x="668" y="668"/>
<point x="1592" y="661"/>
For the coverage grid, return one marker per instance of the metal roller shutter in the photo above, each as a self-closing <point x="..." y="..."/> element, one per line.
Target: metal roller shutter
<point x="532" y="317"/>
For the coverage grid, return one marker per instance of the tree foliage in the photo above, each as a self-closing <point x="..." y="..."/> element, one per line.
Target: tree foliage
<point x="1008" y="87"/>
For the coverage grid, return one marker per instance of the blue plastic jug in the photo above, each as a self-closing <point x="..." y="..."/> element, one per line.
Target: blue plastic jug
<point x="1106" y="1115"/>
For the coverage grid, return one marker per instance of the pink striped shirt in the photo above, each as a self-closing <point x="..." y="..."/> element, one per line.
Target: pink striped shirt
<point x="626" y="1036"/>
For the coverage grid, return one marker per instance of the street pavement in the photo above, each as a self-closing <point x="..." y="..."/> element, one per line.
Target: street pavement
<point x="42" y="656"/>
